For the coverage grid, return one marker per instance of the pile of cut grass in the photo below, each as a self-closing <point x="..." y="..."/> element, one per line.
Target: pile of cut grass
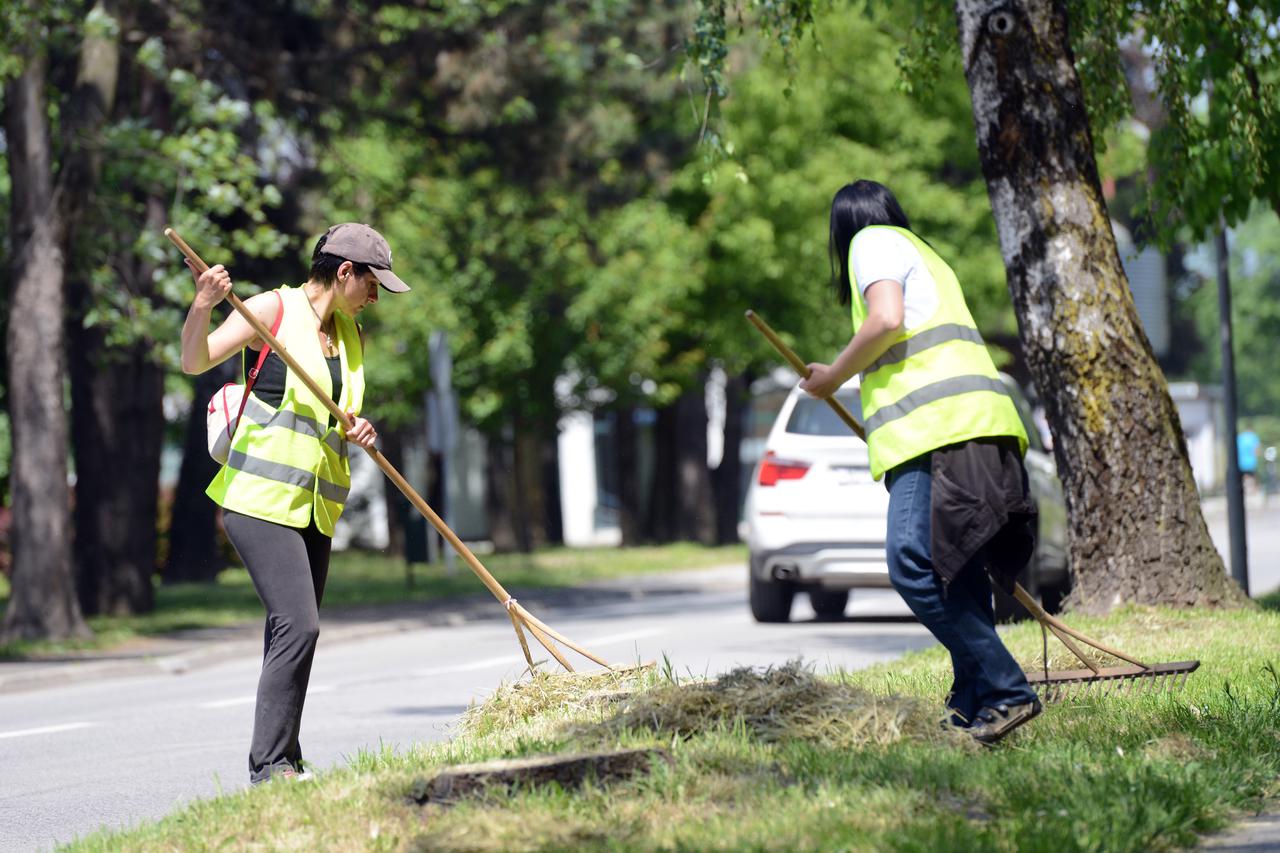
<point x="775" y="704"/>
<point x="757" y="762"/>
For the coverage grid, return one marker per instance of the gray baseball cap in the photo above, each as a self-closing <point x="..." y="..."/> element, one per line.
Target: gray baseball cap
<point x="361" y="244"/>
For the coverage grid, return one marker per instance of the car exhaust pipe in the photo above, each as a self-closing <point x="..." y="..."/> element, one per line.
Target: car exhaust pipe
<point x="785" y="572"/>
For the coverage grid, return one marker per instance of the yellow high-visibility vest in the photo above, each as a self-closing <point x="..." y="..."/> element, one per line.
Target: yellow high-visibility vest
<point x="288" y="465"/>
<point x="936" y="384"/>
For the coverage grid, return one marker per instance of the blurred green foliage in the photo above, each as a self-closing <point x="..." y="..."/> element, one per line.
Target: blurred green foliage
<point x="561" y="261"/>
<point x="769" y="194"/>
<point x="1255" y="317"/>
<point x="1216" y="68"/>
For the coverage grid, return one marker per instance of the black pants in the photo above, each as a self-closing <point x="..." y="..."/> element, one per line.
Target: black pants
<point x="288" y="566"/>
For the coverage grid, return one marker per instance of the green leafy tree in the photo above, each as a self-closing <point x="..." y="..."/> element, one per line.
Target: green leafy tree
<point x="497" y="170"/>
<point x="1136" y="531"/>
<point x="44" y="208"/>
<point x="1255" y="303"/>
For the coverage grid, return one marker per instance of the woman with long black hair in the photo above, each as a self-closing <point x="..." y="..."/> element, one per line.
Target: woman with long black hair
<point x="945" y="434"/>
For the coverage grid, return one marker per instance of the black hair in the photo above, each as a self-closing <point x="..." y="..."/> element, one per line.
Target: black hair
<point x="324" y="266"/>
<point x="854" y="207"/>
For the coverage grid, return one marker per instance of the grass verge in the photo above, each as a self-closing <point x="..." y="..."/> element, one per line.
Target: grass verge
<point x="787" y="761"/>
<point x="363" y="578"/>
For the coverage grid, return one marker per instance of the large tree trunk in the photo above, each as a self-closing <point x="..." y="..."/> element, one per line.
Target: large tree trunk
<point x="660" y="520"/>
<point x="627" y="444"/>
<point x="117" y="424"/>
<point x="499" y="494"/>
<point x="552" y="514"/>
<point x="194" y="553"/>
<point x="42" y="603"/>
<point x="392" y="498"/>
<point x="527" y="495"/>
<point x="117" y="428"/>
<point x="1136" y="530"/>
<point x="696" y="521"/>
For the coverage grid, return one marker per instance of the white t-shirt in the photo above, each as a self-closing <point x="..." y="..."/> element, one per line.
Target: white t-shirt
<point x="881" y="253"/>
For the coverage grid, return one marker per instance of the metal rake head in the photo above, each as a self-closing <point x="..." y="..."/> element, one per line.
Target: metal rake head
<point x="1067" y="685"/>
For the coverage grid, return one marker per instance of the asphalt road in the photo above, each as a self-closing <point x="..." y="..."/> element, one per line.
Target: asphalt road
<point x="1262" y="538"/>
<point x="115" y="751"/>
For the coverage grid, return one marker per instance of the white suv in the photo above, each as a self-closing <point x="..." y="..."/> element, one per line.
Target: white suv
<point x="816" y="520"/>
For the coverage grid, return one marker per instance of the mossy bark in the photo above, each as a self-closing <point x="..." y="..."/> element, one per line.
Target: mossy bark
<point x="1136" y="530"/>
<point x="43" y="602"/>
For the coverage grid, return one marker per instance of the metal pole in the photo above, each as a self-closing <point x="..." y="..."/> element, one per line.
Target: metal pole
<point x="1235" y="490"/>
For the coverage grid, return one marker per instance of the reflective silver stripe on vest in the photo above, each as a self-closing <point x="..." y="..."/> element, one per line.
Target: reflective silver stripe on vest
<point x="333" y="492"/>
<point x="238" y="460"/>
<point x="292" y="421"/>
<point x="932" y="393"/>
<point x="288" y="474"/>
<point x="927" y="339"/>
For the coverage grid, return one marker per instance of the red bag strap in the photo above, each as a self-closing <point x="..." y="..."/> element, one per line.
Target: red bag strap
<point x="262" y="357"/>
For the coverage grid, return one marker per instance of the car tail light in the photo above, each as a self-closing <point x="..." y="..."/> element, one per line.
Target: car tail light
<point x="773" y="469"/>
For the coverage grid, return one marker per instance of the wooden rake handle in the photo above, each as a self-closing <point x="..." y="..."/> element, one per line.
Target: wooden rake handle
<point x="537" y="628"/>
<point x="1059" y="629"/>
<point x="802" y="368"/>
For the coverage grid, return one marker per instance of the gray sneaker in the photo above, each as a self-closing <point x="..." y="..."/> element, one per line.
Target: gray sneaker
<point x="992" y="724"/>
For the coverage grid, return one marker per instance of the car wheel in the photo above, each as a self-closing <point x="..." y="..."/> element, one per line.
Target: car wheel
<point x="771" y="600"/>
<point x="829" y="603"/>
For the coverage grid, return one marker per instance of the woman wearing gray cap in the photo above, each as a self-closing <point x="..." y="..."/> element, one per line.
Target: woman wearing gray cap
<point x="286" y="477"/>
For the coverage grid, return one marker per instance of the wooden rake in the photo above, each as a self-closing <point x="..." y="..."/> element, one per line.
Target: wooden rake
<point x="521" y="619"/>
<point x="1053" y="685"/>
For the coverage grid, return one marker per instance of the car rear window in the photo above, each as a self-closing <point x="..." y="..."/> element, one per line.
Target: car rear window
<point x="815" y="417"/>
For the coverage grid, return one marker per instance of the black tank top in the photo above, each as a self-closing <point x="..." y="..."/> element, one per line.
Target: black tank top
<point x="269" y="387"/>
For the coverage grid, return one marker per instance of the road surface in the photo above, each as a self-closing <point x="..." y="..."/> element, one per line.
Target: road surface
<point x="115" y="751"/>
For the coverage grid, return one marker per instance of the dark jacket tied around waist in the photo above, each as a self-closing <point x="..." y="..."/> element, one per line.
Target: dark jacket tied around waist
<point x="981" y="499"/>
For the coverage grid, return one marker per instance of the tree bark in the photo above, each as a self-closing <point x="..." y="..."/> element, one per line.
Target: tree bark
<point x="42" y="603"/>
<point x="696" y="519"/>
<point x="1136" y="530"/>
<point x="194" y="553"/>
<point x="659" y="520"/>
<point x="117" y="425"/>
<point x="552" y="514"/>
<point x="393" y="499"/>
<point x="527" y="496"/>
<point x="630" y="511"/>
<point x="499" y="497"/>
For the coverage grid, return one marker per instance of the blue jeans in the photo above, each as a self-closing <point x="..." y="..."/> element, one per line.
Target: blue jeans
<point x="960" y="615"/>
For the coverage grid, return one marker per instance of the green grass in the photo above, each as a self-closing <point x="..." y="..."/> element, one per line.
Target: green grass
<point x="364" y="578"/>
<point x="759" y="771"/>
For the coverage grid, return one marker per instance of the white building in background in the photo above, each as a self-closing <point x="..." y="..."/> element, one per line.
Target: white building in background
<point x="1149" y="280"/>
<point x="1200" y="409"/>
